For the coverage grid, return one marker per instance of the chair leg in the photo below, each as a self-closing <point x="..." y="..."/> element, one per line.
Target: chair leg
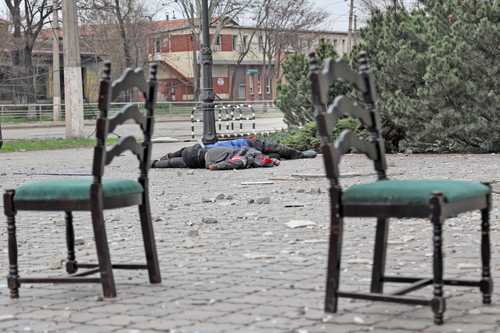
<point x="149" y="241"/>
<point x="10" y="212"/>
<point x="334" y="256"/>
<point x="379" y="255"/>
<point x="438" y="303"/>
<point x="71" y="264"/>
<point x="101" y="242"/>
<point x="486" y="281"/>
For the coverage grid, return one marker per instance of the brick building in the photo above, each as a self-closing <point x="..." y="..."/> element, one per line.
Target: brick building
<point x="237" y="75"/>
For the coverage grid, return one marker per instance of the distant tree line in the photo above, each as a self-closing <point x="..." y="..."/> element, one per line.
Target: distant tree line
<point x="118" y="30"/>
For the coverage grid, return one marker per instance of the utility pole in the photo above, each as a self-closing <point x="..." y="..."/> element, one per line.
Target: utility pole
<point x="73" y="88"/>
<point x="349" y="30"/>
<point x="56" y="70"/>
<point x="207" y="91"/>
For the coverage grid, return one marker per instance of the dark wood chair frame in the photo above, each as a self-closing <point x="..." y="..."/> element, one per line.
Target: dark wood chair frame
<point x="437" y="208"/>
<point x="102" y="157"/>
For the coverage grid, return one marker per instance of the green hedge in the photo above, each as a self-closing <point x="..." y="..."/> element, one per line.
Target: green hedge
<point x="307" y="137"/>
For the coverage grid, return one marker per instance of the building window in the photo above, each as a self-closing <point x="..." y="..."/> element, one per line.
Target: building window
<point x="334" y="43"/>
<point x="241" y="90"/>
<point x="250" y="84"/>
<point x="343" y="45"/>
<point x="245" y="40"/>
<point x="259" y="86"/>
<point x="261" y="43"/>
<point x="157" y="45"/>
<point x="172" y="93"/>
<point x="235" y="42"/>
<point x="268" y="85"/>
<point x="217" y="40"/>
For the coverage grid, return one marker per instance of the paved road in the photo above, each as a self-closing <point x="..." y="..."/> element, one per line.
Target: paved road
<point x="248" y="272"/>
<point x="176" y="129"/>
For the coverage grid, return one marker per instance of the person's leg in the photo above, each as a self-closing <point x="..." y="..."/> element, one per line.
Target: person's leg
<point x="175" y="162"/>
<point x="177" y="153"/>
<point x="282" y="150"/>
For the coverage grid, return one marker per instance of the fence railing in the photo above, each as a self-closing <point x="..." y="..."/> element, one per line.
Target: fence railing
<point x="30" y="113"/>
<point x="231" y="121"/>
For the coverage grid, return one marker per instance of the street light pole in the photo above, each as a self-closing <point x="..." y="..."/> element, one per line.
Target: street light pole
<point x="207" y="91"/>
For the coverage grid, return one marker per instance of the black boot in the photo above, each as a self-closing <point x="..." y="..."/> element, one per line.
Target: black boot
<point x="176" y="162"/>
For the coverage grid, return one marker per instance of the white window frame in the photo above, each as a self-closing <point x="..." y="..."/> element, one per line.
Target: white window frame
<point x="235" y="42"/>
<point x="158" y="44"/>
<point x="268" y="85"/>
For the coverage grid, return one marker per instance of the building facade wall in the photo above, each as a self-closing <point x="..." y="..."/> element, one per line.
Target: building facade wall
<point x="173" y="90"/>
<point x="244" y="81"/>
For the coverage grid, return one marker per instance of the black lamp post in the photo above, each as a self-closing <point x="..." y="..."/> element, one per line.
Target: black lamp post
<point x="207" y="91"/>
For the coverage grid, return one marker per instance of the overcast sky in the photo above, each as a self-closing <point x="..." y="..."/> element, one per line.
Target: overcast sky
<point x="339" y="13"/>
<point x="338" y="10"/>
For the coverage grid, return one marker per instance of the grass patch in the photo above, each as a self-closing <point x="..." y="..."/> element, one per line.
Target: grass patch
<point x="49" y="144"/>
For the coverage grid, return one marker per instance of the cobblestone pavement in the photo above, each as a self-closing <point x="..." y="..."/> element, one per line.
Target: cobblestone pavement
<point x="248" y="272"/>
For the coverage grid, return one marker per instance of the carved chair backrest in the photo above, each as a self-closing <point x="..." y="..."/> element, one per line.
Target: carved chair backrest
<point x="327" y="114"/>
<point x="108" y="92"/>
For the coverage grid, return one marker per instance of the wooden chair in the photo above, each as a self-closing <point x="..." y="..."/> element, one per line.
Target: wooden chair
<point x="96" y="194"/>
<point x="384" y="198"/>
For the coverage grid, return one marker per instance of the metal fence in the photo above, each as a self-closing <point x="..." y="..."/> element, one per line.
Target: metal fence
<point x="29" y="113"/>
<point x="231" y="121"/>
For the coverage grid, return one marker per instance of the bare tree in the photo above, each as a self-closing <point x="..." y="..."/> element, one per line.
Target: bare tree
<point x="284" y="20"/>
<point x="367" y="6"/>
<point x="260" y="13"/>
<point x="220" y="12"/>
<point x="28" y="18"/>
<point x="111" y="25"/>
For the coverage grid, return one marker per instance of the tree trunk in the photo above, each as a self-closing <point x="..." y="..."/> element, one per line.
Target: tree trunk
<point x="196" y="68"/>
<point x="16" y="20"/>
<point x="123" y="34"/>
<point x="28" y="74"/>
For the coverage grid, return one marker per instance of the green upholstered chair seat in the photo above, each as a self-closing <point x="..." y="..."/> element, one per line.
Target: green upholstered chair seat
<point x="74" y="189"/>
<point x="412" y="192"/>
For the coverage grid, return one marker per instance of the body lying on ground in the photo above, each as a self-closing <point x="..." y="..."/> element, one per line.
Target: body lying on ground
<point x="216" y="158"/>
<point x="231" y="154"/>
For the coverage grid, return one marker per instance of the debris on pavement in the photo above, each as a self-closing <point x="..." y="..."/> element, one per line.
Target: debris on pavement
<point x="293" y="204"/>
<point x="308" y="175"/>
<point x="258" y="256"/>
<point x="359" y="261"/>
<point x="293" y="224"/>
<point x="79" y="242"/>
<point x="209" y="220"/>
<point x="159" y="219"/>
<point x="263" y="201"/>
<point x="164" y="139"/>
<point x="193" y="233"/>
<point x="258" y="183"/>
